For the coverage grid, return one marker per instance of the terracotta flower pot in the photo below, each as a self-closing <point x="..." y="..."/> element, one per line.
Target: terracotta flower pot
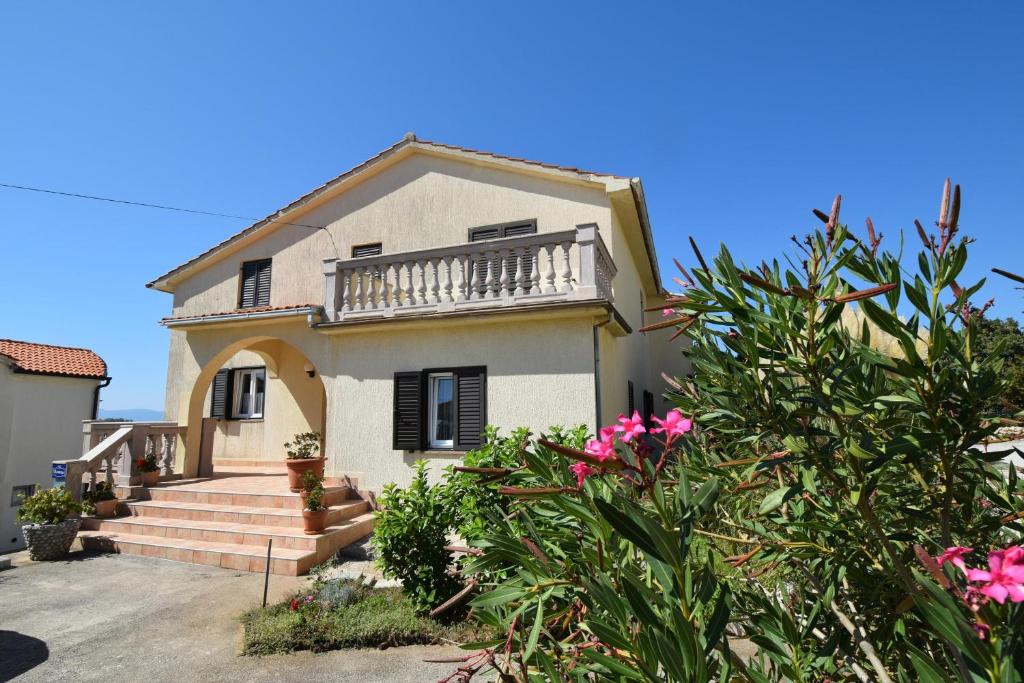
<point x="151" y="478"/>
<point x="299" y="466"/>
<point x="105" y="508"/>
<point x="313" y="522"/>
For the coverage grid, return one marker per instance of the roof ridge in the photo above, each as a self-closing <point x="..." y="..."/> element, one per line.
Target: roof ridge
<point x="51" y="346"/>
<point x="406" y="140"/>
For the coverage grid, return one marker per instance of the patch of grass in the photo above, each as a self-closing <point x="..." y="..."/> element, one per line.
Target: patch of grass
<point x="377" y="617"/>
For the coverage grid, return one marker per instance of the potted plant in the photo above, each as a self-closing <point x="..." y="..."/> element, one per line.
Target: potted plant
<point x="302" y="453"/>
<point x="50" y="523"/>
<point x="150" y="470"/>
<point x="314" y="513"/>
<point x="101" y="500"/>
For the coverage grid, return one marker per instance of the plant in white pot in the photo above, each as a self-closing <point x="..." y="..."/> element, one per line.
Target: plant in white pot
<point x="50" y="523"/>
<point x="302" y="457"/>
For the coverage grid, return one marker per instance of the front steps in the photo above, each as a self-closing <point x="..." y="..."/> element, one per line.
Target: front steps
<point x="227" y="522"/>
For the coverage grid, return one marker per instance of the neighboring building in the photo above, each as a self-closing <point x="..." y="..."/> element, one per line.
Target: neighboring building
<point x="403" y="305"/>
<point x="45" y="393"/>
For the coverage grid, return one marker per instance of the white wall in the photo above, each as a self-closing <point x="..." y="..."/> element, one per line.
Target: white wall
<point x="40" y="421"/>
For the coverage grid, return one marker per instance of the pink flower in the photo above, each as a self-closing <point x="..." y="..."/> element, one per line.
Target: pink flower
<point x="582" y="470"/>
<point x="1005" y="575"/>
<point x="601" y="449"/>
<point x="608" y="433"/>
<point x="955" y="555"/>
<point x="666" y="312"/>
<point x="673" y="425"/>
<point x="630" y="426"/>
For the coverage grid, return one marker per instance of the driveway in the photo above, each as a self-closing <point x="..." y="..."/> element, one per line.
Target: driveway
<point x="128" y="618"/>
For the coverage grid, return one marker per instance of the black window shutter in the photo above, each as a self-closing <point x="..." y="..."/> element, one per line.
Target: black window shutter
<point x="220" y="397"/>
<point x="263" y="283"/>
<point x="648" y="408"/>
<point x="491" y="232"/>
<point x="470" y="407"/>
<point x="255" y="289"/>
<point x="631" y="398"/>
<point x="408" y="412"/>
<point x="247" y="295"/>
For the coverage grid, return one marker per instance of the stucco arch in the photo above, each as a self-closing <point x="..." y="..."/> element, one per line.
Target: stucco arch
<point x="310" y="399"/>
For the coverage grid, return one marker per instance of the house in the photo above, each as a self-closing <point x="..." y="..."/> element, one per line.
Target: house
<point x="407" y="303"/>
<point x="45" y="394"/>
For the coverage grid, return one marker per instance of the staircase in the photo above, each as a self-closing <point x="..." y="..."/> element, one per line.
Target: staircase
<point x="227" y="521"/>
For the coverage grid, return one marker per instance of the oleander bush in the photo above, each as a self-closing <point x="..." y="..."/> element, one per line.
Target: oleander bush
<point x="829" y="501"/>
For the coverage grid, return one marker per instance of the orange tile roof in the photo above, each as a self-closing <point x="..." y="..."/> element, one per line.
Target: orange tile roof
<point x="241" y="311"/>
<point x="44" y="359"/>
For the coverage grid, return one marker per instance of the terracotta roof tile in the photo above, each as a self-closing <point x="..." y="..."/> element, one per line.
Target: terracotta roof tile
<point x="240" y="311"/>
<point x="45" y="359"/>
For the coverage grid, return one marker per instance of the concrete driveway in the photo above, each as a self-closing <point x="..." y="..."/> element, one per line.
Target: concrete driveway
<point x="127" y="618"/>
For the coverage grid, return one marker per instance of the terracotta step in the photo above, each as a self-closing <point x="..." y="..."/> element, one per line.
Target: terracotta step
<point x="230" y="556"/>
<point x="229" y="496"/>
<point x="239" y="514"/>
<point x="121" y="535"/>
<point x="224" y="533"/>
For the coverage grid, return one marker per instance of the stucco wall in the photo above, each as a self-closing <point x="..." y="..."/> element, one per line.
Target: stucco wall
<point x="539" y="373"/>
<point x="421" y="202"/>
<point x="294" y="402"/>
<point x="44" y="424"/>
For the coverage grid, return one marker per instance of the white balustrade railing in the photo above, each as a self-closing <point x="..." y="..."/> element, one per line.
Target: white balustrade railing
<point x="112" y="451"/>
<point x="552" y="266"/>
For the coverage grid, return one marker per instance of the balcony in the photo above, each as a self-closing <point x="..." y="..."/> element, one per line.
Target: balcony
<point x="510" y="273"/>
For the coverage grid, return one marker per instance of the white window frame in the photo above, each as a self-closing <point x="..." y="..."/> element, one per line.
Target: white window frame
<point x="239" y="389"/>
<point x="432" y="383"/>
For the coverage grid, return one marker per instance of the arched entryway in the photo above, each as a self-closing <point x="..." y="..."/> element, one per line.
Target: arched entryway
<point x="259" y="392"/>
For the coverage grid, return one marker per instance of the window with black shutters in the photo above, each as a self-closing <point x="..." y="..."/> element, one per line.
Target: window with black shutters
<point x="238" y="393"/>
<point x="255" y="286"/>
<point x="220" y="396"/>
<point x="440" y="409"/>
<point x="501" y="231"/>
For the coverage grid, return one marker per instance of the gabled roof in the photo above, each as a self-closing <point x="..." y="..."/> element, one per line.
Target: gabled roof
<point x="410" y="141"/>
<point x="44" y="359"/>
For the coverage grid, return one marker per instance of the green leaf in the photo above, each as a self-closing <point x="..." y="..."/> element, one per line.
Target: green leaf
<point x="628" y="528"/>
<point x="776" y="498"/>
<point x="613" y="665"/>
<point x="927" y="670"/>
<point x="538" y="621"/>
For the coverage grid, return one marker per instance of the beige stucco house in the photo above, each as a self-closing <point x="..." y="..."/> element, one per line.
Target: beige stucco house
<point x="45" y="394"/>
<point x="407" y="303"/>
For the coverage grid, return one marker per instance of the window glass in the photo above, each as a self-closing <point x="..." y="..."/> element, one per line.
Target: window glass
<point x="250" y="392"/>
<point x="20" y="493"/>
<point x="442" y="410"/>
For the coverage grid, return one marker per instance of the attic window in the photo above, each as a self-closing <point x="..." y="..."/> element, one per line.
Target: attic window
<point x="367" y="250"/>
<point x="255" y="287"/>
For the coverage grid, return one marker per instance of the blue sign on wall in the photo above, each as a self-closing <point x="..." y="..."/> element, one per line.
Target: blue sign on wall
<point x="58" y="471"/>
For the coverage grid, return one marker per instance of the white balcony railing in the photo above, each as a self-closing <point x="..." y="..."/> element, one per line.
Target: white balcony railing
<point x="571" y="265"/>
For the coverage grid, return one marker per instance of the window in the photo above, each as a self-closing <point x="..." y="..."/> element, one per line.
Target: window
<point x="440" y="408"/>
<point x="500" y="231"/>
<point x="255" y="287"/>
<point x="630" y="398"/>
<point x="250" y="390"/>
<point x="440" y="403"/>
<point x="20" y="493"/>
<point x="367" y="250"/>
<point x="239" y="393"/>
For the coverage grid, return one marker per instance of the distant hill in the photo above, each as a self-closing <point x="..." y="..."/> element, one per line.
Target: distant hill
<point x="133" y="414"/>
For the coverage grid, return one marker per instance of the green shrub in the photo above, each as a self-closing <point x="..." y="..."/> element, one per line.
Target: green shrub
<point x="410" y="538"/>
<point x="840" y="465"/>
<point x="48" y="506"/>
<point x="313" y="490"/>
<point x="303" y="446"/>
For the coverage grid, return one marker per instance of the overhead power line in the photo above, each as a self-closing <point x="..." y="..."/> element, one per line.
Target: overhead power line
<point x="112" y="200"/>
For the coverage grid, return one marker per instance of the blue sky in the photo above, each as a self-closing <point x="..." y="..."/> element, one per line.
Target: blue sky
<point x="740" y="117"/>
